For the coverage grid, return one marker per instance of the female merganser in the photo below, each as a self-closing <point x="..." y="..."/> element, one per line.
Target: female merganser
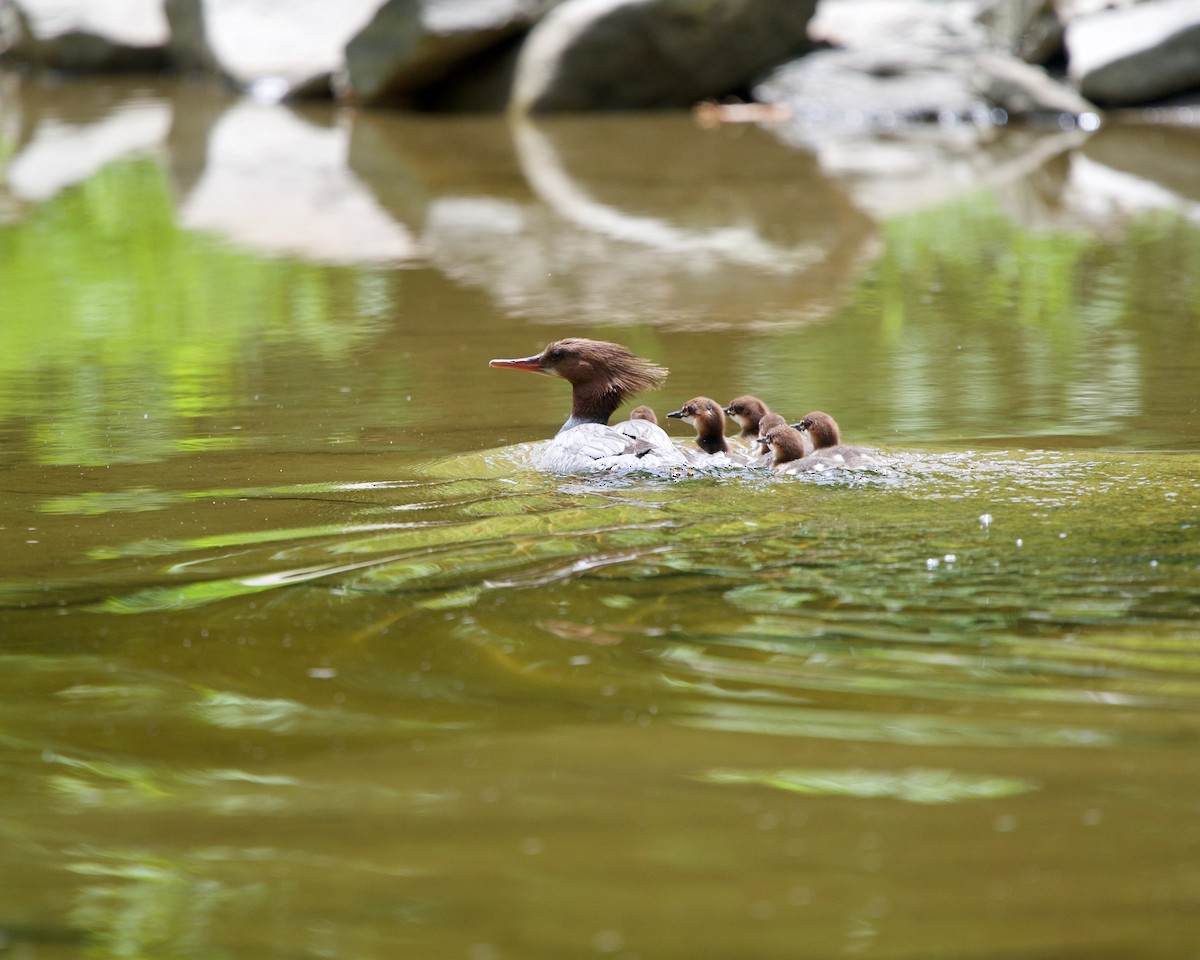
<point x="602" y="375"/>
<point x="747" y="411"/>
<point x="706" y="416"/>
<point x="825" y="452"/>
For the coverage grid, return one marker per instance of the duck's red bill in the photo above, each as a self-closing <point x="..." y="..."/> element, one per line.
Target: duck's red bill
<point x="527" y="363"/>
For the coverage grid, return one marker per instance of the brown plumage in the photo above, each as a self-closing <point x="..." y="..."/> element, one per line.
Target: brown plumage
<point x="602" y="374"/>
<point x="708" y="419"/>
<point x="748" y="411"/>
<point x="643" y="412"/>
<point x="785" y="444"/>
<point x="821" y="428"/>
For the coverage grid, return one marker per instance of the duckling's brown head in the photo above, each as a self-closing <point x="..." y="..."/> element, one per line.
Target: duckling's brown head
<point x="700" y="409"/>
<point x="747" y="411"/>
<point x="785" y="443"/>
<point x="821" y="428"/>
<point x="708" y="419"/>
<point x="769" y="422"/>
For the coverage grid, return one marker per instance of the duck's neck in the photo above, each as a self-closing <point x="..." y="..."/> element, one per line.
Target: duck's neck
<point x="710" y="439"/>
<point x="592" y="403"/>
<point x="823" y="437"/>
<point x="750" y="433"/>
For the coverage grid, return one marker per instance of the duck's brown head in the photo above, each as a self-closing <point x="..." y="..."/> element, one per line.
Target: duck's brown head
<point x="747" y="411"/>
<point x="581" y="361"/>
<point x="785" y="443"/>
<point x="821" y="428"/>
<point x="709" y="420"/>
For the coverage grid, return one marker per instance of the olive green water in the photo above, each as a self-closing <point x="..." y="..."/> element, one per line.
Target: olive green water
<point x="301" y="658"/>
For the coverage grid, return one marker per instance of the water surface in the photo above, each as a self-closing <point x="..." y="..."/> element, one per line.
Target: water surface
<point x="302" y="657"/>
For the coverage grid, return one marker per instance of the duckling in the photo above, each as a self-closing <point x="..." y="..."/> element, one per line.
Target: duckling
<point x="747" y="411"/>
<point x="827" y="451"/>
<point x="708" y="419"/>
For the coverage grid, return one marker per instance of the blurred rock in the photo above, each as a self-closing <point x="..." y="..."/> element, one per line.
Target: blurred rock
<point x="1137" y="54"/>
<point x="273" y="48"/>
<point x="1029" y="29"/>
<point x="412" y="45"/>
<point x="1023" y="90"/>
<point x="906" y="61"/>
<point x="874" y="87"/>
<point x="866" y="24"/>
<point x="277" y="183"/>
<point x="80" y="36"/>
<point x="614" y="54"/>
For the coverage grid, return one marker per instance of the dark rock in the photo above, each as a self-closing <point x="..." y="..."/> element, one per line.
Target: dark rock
<point x="411" y="45"/>
<point x="1137" y="54"/>
<point x="87" y="36"/>
<point x="614" y="54"/>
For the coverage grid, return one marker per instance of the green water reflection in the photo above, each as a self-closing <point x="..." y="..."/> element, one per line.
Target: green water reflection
<point x="296" y="662"/>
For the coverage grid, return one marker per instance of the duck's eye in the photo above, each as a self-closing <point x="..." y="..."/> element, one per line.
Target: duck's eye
<point x="557" y="354"/>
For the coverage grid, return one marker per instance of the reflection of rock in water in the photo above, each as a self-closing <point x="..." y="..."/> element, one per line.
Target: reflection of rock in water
<point x="276" y="183"/>
<point x="630" y="218"/>
<point x="64" y="139"/>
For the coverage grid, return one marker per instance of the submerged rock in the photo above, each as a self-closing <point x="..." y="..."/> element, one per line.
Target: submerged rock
<point x="1137" y="54"/>
<point x="410" y="45"/>
<point x="82" y="36"/>
<point x="614" y="54"/>
<point x="274" y="48"/>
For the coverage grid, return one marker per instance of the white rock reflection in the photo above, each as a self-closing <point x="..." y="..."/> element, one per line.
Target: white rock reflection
<point x="1099" y="194"/>
<point x="277" y="183"/>
<point x="700" y="249"/>
<point x="604" y="235"/>
<point x="60" y="154"/>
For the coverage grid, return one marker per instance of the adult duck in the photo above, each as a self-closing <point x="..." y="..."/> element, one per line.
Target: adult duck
<point x="602" y="376"/>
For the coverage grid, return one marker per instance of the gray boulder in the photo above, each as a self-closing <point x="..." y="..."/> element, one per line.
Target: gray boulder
<point x="1030" y="29"/>
<point x="905" y="61"/>
<point x="81" y="36"/>
<point x="1023" y="90"/>
<point x="614" y="54"/>
<point x="412" y="45"/>
<point x="879" y="87"/>
<point x="1136" y="54"/>
<point x="274" y="48"/>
